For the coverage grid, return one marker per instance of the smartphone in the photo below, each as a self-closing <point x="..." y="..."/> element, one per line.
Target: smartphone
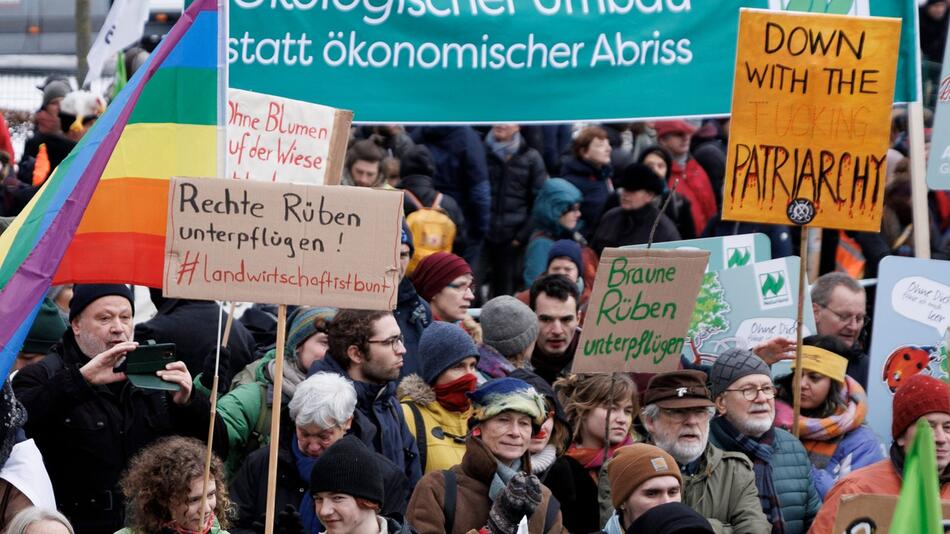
<point x="141" y="364"/>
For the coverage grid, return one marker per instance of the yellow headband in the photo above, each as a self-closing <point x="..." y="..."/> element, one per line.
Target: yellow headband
<point x="825" y="362"/>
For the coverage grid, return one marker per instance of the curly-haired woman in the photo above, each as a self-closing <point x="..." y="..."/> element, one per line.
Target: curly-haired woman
<point x="163" y="485"/>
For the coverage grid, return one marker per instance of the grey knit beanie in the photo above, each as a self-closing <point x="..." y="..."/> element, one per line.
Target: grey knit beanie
<point x="732" y="365"/>
<point x="508" y="325"/>
<point x="441" y="346"/>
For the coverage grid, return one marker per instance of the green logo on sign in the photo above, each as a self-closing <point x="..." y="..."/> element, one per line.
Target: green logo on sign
<point x="738" y="256"/>
<point x="772" y="283"/>
<point x="832" y="7"/>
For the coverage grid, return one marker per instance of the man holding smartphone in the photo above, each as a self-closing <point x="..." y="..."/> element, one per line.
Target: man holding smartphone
<point x="88" y="420"/>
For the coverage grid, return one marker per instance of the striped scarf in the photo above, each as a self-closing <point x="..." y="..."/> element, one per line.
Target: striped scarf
<point x="820" y="436"/>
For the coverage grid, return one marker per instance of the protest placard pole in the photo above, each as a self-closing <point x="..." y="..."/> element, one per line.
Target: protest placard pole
<point x="275" y="419"/>
<point x="214" y="403"/>
<point x="918" y="177"/>
<point x="662" y="211"/>
<point x="799" y="329"/>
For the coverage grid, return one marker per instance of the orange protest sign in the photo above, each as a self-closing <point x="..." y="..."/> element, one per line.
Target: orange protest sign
<point x="810" y="123"/>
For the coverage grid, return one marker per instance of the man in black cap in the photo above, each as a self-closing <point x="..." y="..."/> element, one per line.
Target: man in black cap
<point x="719" y="485"/>
<point x="88" y="420"/>
<point x="632" y="221"/>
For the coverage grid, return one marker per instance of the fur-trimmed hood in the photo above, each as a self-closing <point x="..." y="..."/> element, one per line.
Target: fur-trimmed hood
<point x="415" y="389"/>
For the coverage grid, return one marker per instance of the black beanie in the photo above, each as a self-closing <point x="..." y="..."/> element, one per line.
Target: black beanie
<point x="348" y="467"/>
<point x="417" y="161"/>
<point x="86" y="294"/>
<point x="639" y="177"/>
<point x="672" y="518"/>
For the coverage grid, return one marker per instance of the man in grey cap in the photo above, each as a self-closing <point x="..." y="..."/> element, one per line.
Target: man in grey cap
<point x="509" y="330"/>
<point x="745" y="399"/>
<point x="719" y="485"/>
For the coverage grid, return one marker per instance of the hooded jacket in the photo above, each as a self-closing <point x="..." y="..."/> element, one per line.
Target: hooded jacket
<point x="555" y="197"/>
<point x="87" y="434"/>
<point x="797" y="497"/>
<point x="426" y="511"/>
<point x="723" y="491"/>
<point x="444" y="431"/>
<point x="379" y="405"/>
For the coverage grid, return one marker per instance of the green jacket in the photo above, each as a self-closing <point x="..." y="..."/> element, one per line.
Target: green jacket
<point x="723" y="491"/>
<point x="215" y="529"/>
<point x="246" y="411"/>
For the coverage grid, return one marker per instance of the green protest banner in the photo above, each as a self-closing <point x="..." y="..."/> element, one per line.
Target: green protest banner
<point x="639" y="310"/>
<point x="444" y="61"/>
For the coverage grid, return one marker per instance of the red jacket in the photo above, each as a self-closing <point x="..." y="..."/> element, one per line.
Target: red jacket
<point x="880" y="478"/>
<point x="695" y="186"/>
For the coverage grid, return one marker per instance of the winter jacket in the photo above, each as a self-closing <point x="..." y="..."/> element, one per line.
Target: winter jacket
<point x="790" y="476"/>
<point x="723" y="491"/>
<point x="443" y="431"/>
<point x="858" y="448"/>
<point x="695" y="186"/>
<point x="215" y="529"/>
<point x="178" y="321"/>
<point x="881" y="478"/>
<point x="422" y="187"/>
<point x="619" y="227"/>
<point x="573" y="488"/>
<point x="87" y="434"/>
<point x="514" y="185"/>
<point x="378" y="404"/>
<point x="249" y="487"/>
<point x="461" y="172"/>
<point x="555" y="196"/>
<point x="472" y="505"/>
<point x="595" y="186"/>
<point x="413" y="315"/>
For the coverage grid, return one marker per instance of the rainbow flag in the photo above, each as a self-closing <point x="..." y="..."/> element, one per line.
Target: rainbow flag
<point x="102" y="212"/>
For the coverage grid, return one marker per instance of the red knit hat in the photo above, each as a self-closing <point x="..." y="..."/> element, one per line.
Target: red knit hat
<point x="436" y="271"/>
<point x="915" y="398"/>
<point x="678" y="126"/>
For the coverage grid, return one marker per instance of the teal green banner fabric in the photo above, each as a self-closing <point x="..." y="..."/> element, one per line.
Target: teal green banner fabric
<point x="470" y="61"/>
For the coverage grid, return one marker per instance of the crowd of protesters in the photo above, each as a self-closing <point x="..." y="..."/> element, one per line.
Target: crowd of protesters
<point x="433" y="419"/>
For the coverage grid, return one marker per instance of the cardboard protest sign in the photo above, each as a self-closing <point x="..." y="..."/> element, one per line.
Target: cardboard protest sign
<point x="871" y="514"/>
<point x="276" y="139"/>
<point x="252" y="241"/>
<point x="911" y="316"/>
<point x="811" y="112"/>
<point x="745" y="306"/>
<point x="938" y="161"/>
<point x="639" y="310"/>
<point x="726" y="252"/>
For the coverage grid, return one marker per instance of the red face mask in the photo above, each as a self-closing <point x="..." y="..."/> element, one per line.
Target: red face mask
<point x="452" y="394"/>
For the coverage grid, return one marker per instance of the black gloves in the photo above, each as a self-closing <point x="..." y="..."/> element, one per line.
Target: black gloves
<point x="224" y="371"/>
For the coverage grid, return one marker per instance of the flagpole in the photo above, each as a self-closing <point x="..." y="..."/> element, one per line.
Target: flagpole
<point x="223" y="340"/>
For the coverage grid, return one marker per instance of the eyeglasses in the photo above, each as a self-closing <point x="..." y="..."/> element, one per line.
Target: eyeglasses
<point x="572" y="207"/>
<point x="393" y="342"/>
<point x="464" y="288"/>
<point x="847" y="318"/>
<point x="750" y="393"/>
<point x="678" y="415"/>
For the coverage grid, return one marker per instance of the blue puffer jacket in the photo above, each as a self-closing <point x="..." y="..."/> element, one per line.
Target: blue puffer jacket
<point x="556" y="195"/>
<point x="379" y="404"/>
<point x="790" y="476"/>
<point x="858" y="448"/>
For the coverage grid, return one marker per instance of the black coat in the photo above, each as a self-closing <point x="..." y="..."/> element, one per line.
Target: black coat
<point x="413" y="315"/>
<point x="249" y="487"/>
<point x="514" y="184"/>
<point x="571" y="484"/>
<point x="87" y="434"/>
<point x="192" y="326"/>
<point x="619" y="227"/>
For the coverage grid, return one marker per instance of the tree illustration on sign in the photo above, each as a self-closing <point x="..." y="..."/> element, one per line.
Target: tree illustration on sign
<point x="709" y="317"/>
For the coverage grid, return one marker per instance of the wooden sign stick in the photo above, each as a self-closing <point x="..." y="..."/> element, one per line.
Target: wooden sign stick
<point x="800" y="323"/>
<point x="275" y="419"/>
<point x="214" y="405"/>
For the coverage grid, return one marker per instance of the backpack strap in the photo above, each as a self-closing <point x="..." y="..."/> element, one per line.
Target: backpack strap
<point x="420" y="433"/>
<point x="437" y="203"/>
<point x="413" y="199"/>
<point x="550" y="515"/>
<point x="451" y="492"/>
